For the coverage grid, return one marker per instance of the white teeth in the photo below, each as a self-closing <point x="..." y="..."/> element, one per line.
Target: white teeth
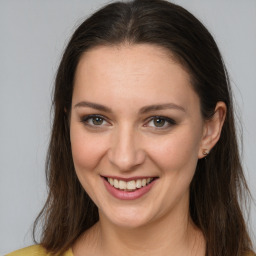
<point x="138" y="183"/>
<point x="122" y="184"/>
<point x="129" y="185"/>
<point x="111" y="181"/>
<point x="116" y="183"/>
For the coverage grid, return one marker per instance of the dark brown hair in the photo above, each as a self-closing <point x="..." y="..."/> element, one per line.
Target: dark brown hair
<point x="218" y="183"/>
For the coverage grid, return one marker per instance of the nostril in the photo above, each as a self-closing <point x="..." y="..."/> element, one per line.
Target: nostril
<point x="126" y="160"/>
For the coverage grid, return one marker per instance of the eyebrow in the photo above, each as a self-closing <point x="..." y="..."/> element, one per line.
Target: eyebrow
<point x="150" y="108"/>
<point x="143" y="110"/>
<point x="94" y="106"/>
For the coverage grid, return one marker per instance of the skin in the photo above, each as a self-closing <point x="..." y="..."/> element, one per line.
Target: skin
<point x="125" y="142"/>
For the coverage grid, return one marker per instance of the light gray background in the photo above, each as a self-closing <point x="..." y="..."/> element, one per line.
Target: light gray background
<point x="33" y="35"/>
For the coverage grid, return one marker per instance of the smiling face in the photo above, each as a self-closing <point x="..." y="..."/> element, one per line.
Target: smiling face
<point x="135" y="123"/>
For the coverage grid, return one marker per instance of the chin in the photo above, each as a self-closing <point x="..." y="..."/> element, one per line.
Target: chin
<point x="126" y="218"/>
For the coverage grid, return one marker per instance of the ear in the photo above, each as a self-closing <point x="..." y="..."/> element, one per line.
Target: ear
<point x="212" y="130"/>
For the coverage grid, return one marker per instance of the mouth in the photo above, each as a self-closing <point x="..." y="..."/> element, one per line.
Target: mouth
<point x="130" y="185"/>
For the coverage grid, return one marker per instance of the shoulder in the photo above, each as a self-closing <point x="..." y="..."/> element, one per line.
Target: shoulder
<point x="35" y="250"/>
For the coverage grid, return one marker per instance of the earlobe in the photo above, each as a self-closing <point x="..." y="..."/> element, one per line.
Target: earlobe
<point x="212" y="130"/>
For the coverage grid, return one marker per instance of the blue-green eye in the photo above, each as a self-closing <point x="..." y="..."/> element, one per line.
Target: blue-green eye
<point x="160" y="122"/>
<point x="97" y="120"/>
<point x="94" y="120"/>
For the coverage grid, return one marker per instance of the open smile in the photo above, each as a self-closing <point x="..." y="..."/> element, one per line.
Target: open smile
<point x="130" y="185"/>
<point x="128" y="189"/>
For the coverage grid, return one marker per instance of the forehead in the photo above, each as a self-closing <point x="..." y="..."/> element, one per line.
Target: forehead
<point x="136" y="58"/>
<point x="132" y="72"/>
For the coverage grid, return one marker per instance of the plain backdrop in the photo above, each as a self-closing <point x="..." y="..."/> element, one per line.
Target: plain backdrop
<point x="33" y="35"/>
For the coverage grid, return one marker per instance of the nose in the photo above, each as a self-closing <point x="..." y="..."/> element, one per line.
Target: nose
<point x="126" y="152"/>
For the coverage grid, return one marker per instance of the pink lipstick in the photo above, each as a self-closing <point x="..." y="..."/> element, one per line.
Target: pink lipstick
<point x="128" y="189"/>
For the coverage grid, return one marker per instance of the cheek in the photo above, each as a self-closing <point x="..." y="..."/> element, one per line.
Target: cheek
<point x="177" y="151"/>
<point x="87" y="150"/>
<point x="176" y="158"/>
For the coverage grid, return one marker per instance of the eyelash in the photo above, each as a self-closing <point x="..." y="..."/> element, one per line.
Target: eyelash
<point x="167" y="121"/>
<point x="86" y="119"/>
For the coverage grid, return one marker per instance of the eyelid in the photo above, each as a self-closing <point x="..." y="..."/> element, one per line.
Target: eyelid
<point x="169" y="120"/>
<point x="84" y="120"/>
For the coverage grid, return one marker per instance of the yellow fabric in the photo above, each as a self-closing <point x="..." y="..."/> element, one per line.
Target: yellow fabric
<point x="38" y="250"/>
<point x="35" y="250"/>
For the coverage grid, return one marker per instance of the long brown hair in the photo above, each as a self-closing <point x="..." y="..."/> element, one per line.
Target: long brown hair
<point x="218" y="183"/>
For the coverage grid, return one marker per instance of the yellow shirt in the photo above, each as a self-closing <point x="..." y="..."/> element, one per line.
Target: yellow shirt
<point x="35" y="250"/>
<point x="38" y="250"/>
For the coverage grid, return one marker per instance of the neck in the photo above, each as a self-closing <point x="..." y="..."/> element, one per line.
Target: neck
<point x="170" y="235"/>
<point x="178" y="237"/>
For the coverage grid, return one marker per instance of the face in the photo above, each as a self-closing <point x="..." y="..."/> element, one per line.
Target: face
<point x="136" y="131"/>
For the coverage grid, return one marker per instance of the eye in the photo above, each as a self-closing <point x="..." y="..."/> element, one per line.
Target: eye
<point x="97" y="120"/>
<point x="160" y="122"/>
<point x="94" y="120"/>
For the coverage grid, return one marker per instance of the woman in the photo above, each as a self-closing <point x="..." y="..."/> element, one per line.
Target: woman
<point x="143" y="158"/>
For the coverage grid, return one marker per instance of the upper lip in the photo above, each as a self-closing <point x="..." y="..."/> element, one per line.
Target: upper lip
<point x="130" y="178"/>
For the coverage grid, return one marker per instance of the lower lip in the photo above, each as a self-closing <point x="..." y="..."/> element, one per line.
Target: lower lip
<point x="128" y="195"/>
